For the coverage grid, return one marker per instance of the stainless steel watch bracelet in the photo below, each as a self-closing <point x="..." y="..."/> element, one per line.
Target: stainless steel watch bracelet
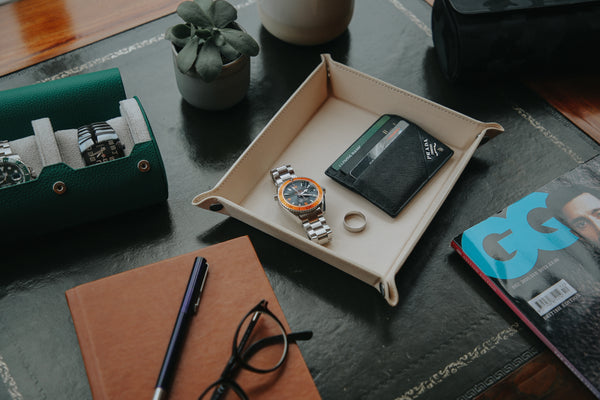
<point x="282" y="174"/>
<point x="97" y="132"/>
<point x="317" y="229"/>
<point x="5" y="150"/>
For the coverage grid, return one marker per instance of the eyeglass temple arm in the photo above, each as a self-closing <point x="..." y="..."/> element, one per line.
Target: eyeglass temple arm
<point x="229" y="369"/>
<point x="249" y="330"/>
<point x="271" y="340"/>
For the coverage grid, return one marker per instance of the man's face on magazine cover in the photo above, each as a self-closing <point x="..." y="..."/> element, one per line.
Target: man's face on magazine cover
<point x="583" y="215"/>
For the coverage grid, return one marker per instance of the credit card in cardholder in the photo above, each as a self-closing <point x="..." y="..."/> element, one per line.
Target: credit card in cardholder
<point x="390" y="162"/>
<point x="378" y="149"/>
<point x="351" y="157"/>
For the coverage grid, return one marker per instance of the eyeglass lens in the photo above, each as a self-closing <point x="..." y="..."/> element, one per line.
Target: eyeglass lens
<point x="261" y="342"/>
<point x="260" y="346"/>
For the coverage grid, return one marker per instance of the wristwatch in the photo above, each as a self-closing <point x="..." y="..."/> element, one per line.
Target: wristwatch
<point x="98" y="142"/>
<point x="12" y="169"/>
<point x="305" y="199"/>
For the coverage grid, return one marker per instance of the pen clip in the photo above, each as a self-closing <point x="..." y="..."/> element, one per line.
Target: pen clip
<point x="197" y="303"/>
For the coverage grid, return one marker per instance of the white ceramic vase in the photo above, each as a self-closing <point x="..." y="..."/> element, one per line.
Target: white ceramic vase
<point x="306" y="22"/>
<point x="228" y="89"/>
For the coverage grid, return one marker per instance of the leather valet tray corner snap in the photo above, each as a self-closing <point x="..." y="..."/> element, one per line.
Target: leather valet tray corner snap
<point x="40" y="124"/>
<point x="326" y="114"/>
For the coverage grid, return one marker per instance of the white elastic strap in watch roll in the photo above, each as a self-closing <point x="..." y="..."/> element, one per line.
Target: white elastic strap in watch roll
<point x="46" y="141"/>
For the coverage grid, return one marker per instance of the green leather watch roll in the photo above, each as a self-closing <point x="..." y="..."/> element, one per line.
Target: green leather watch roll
<point x="61" y="195"/>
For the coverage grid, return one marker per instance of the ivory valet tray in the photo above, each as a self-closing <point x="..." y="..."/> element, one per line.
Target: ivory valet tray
<point x="325" y="115"/>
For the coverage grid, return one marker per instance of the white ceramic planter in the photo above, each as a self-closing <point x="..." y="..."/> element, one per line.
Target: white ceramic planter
<point x="228" y="89"/>
<point x="306" y="22"/>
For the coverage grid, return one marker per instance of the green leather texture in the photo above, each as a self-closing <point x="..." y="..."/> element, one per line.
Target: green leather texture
<point x="92" y="192"/>
<point x="68" y="102"/>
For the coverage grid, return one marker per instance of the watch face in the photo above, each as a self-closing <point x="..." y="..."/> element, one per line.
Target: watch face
<point x="13" y="172"/>
<point x="300" y="194"/>
<point x="103" y="151"/>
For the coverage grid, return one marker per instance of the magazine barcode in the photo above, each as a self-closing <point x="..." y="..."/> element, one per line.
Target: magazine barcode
<point x="552" y="297"/>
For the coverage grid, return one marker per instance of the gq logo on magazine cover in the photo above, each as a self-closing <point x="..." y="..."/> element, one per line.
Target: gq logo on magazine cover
<point x="507" y="248"/>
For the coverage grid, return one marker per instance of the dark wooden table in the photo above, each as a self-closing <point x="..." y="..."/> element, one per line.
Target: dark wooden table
<point x="449" y="336"/>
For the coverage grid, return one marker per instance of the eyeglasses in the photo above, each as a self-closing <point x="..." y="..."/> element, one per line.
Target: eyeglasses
<point x="260" y="345"/>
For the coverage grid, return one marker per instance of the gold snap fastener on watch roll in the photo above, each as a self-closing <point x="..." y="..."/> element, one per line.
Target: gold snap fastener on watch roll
<point x="355" y="221"/>
<point x="59" y="187"/>
<point x="143" y="166"/>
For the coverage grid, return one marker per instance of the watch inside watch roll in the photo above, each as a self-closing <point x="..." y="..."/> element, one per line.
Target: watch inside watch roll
<point x="13" y="172"/>
<point x="104" y="151"/>
<point x="98" y="143"/>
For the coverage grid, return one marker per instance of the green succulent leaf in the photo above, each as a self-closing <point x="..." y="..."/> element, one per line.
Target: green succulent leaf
<point x="219" y="39"/>
<point x="241" y="41"/>
<point x="222" y="13"/>
<point x="178" y="35"/>
<point x="209" y="63"/>
<point x="204" y="4"/>
<point x="204" y="33"/>
<point x="186" y="57"/>
<point x="191" y="12"/>
<point x="229" y="53"/>
<point x="179" y="31"/>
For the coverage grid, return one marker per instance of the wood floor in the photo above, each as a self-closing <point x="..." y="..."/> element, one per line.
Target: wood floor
<point x="32" y="31"/>
<point x="576" y="97"/>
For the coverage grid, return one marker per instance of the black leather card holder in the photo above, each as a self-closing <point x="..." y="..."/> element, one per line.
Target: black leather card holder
<point x="390" y="163"/>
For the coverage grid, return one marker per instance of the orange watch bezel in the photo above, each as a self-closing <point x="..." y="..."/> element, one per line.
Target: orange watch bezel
<point x="292" y="207"/>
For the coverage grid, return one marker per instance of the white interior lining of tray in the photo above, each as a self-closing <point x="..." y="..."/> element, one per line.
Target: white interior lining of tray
<point x="327" y="135"/>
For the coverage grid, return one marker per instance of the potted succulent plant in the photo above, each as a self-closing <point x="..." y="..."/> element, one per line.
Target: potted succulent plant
<point x="211" y="54"/>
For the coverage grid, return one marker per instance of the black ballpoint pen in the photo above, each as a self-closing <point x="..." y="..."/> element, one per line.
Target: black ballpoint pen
<point x="189" y="307"/>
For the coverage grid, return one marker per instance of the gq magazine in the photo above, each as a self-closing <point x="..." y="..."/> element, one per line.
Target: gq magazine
<point x="541" y="255"/>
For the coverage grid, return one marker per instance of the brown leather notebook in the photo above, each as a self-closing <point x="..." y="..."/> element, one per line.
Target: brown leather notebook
<point x="124" y="322"/>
